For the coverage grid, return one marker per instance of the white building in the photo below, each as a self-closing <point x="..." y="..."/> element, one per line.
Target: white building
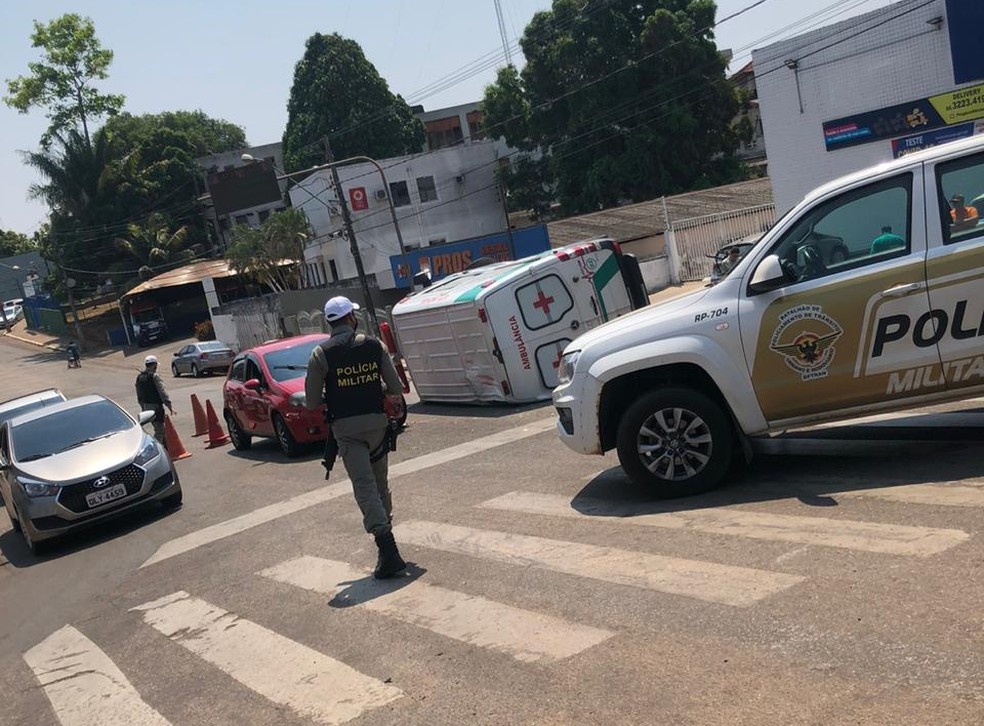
<point x="864" y="90"/>
<point x="441" y="196"/>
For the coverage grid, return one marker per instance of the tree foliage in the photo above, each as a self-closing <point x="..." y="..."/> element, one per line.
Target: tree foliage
<point x="338" y="93"/>
<point x="272" y="253"/>
<point x="154" y="244"/>
<point x="14" y="243"/>
<point x="627" y="98"/>
<point x="64" y="81"/>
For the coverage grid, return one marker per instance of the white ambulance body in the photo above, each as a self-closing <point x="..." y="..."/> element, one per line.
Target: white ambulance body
<point x="497" y="333"/>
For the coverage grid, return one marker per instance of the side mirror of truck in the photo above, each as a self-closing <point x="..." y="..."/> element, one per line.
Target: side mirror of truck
<point x="769" y="275"/>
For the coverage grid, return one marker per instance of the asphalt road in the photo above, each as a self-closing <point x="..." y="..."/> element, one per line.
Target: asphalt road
<point x="838" y="580"/>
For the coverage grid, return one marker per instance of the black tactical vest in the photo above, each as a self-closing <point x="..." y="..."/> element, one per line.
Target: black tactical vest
<point x="353" y="384"/>
<point x="147" y="390"/>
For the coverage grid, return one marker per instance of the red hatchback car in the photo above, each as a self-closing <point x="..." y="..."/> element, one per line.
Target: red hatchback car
<point x="264" y="391"/>
<point x="256" y="395"/>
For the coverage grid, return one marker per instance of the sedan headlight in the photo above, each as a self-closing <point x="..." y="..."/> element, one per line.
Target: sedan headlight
<point x="35" y="488"/>
<point x="297" y="399"/>
<point x="150" y="451"/>
<point x="565" y="372"/>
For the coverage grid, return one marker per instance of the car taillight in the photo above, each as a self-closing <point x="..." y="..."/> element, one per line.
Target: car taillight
<point x="204" y="356"/>
<point x="482" y="316"/>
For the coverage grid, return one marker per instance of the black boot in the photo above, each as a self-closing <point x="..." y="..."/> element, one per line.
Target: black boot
<point x="389" y="563"/>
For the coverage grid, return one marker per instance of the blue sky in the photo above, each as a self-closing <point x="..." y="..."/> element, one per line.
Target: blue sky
<point x="234" y="59"/>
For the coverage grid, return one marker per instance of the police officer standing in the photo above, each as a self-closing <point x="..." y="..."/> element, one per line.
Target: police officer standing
<point x="152" y="396"/>
<point x="352" y="373"/>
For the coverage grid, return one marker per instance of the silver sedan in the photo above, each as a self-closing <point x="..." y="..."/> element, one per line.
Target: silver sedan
<point x="199" y="358"/>
<point x="78" y="463"/>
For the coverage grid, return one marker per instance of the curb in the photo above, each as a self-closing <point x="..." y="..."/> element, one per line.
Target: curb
<point x="49" y="346"/>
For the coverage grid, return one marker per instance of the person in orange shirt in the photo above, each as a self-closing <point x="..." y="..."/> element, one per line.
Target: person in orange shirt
<point x="963" y="217"/>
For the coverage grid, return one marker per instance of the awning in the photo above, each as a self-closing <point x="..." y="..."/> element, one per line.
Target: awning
<point x="195" y="272"/>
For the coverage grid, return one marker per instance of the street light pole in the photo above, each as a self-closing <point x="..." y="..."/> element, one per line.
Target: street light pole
<point x="353" y="244"/>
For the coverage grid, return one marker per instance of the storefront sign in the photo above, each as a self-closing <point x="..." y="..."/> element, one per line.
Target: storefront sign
<point x="357" y="199"/>
<point x="446" y="259"/>
<point x="925" y="114"/>
<point x="908" y="144"/>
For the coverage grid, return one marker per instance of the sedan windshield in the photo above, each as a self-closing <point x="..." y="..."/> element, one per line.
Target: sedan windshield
<point x="64" y="430"/>
<point x="289" y="363"/>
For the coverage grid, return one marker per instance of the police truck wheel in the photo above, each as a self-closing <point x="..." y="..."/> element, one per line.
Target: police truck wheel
<point x="285" y="438"/>
<point x="241" y="441"/>
<point x="174" y="370"/>
<point x="675" y="442"/>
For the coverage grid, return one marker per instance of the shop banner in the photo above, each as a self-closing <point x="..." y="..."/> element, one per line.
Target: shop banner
<point x="924" y="114"/>
<point x="446" y="259"/>
<point x="908" y="144"/>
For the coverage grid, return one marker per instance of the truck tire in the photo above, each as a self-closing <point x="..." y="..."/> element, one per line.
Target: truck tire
<point x="675" y="442"/>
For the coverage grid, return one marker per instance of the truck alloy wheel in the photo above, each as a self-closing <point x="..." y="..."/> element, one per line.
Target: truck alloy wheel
<point x="675" y="442"/>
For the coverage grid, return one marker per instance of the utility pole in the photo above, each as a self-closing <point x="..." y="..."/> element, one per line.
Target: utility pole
<point x="69" y="284"/>
<point x="350" y="233"/>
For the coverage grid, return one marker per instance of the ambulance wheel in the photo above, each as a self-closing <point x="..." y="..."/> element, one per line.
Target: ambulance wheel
<point x="288" y="444"/>
<point x="675" y="442"/>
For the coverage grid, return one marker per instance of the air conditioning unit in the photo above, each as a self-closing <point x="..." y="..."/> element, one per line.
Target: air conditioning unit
<point x="380" y="194"/>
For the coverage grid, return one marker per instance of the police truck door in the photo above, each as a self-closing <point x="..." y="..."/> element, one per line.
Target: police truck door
<point x="955" y="268"/>
<point x="837" y="333"/>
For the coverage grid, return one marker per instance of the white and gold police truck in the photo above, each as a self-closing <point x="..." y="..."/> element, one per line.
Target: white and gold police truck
<point x="792" y="337"/>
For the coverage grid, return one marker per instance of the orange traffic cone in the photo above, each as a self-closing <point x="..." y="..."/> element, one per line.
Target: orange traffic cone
<point x="174" y="446"/>
<point x="216" y="436"/>
<point x="201" y="423"/>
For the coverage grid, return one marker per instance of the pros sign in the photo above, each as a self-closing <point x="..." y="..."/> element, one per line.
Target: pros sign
<point x="357" y="199"/>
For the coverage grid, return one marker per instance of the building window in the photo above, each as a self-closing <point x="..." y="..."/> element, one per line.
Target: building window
<point x="475" y="130"/>
<point x="426" y="189"/>
<point x="242" y="219"/>
<point x="444" y="132"/>
<point x="334" y="270"/>
<point x="399" y="193"/>
<point x="264" y="215"/>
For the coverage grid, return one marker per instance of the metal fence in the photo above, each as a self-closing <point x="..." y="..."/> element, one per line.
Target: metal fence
<point x="699" y="238"/>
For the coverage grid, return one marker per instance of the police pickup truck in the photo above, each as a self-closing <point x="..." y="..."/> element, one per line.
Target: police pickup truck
<point x="791" y="337"/>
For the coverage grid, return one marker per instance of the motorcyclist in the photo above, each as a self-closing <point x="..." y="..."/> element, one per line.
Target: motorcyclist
<point x="74" y="355"/>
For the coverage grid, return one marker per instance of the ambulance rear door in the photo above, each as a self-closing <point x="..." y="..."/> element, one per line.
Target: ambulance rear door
<point x="534" y="317"/>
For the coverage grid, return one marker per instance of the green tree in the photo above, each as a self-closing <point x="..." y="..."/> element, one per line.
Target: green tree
<point x="154" y="244"/>
<point x="628" y="100"/>
<point x="272" y="253"/>
<point x="63" y="82"/>
<point x="338" y="93"/>
<point x="14" y="243"/>
<point x="204" y="135"/>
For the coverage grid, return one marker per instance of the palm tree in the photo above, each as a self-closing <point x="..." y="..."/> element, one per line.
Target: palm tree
<point x="75" y="174"/>
<point x="154" y="245"/>
<point x="272" y="253"/>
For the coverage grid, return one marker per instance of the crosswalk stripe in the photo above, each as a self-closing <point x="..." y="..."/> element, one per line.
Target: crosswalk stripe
<point x="944" y="494"/>
<point x="284" y="671"/>
<point x="524" y="635"/>
<point x="83" y="684"/>
<point x="726" y="584"/>
<point x="892" y="539"/>
<point x="269" y="513"/>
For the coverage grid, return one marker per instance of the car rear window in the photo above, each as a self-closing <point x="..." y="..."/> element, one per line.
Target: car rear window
<point x="63" y="430"/>
<point x="213" y="345"/>
<point x="291" y="362"/>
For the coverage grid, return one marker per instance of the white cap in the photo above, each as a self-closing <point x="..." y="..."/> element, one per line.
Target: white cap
<point x="150" y="360"/>
<point x="338" y="307"/>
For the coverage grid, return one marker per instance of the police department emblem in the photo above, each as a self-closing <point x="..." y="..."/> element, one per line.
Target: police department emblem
<point x="805" y="338"/>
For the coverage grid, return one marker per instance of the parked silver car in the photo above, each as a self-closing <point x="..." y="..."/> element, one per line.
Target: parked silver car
<point x="77" y="463"/>
<point x="199" y="358"/>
